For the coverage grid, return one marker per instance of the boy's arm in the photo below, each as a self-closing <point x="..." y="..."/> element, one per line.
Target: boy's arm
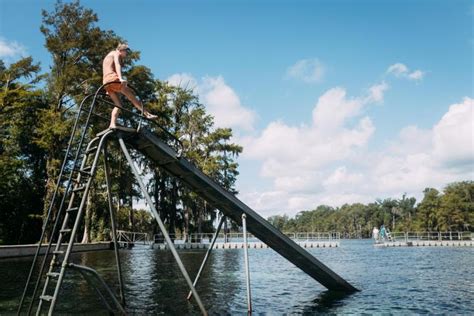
<point x="118" y="67"/>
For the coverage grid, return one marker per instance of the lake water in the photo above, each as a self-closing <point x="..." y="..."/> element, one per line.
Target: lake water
<point x="406" y="280"/>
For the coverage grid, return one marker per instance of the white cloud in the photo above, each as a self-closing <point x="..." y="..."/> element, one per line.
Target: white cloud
<point x="220" y="99"/>
<point x="307" y="70"/>
<point x="297" y="158"/>
<point x="183" y="80"/>
<point x="329" y="162"/>
<point x="453" y="136"/>
<point x="416" y="75"/>
<point x="11" y="49"/>
<point x="402" y="71"/>
<point x="225" y="105"/>
<point x="398" y="69"/>
<point x="377" y="92"/>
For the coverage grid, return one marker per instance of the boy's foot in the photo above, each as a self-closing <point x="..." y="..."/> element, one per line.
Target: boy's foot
<point x="151" y="116"/>
<point x="112" y="126"/>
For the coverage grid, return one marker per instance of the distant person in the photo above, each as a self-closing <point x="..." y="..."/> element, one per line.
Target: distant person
<point x="112" y="72"/>
<point x="375" y="234"/>
<point x="388" y="234"/>
<point x="383" y="233"/>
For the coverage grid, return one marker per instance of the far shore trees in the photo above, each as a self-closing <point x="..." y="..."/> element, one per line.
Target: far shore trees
<point x="451" y="210"/>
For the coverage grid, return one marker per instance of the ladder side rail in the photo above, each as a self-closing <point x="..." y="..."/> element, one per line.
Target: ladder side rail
<point x="99" y="293"/>
<point x="97" y="276"/>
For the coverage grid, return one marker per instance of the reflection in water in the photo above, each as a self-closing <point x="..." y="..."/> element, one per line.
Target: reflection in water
<point x="326" y="301"/>
<point x="393" y="280"/>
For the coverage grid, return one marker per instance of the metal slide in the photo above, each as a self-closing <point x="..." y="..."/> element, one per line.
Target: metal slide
<point x="167" y="158"/>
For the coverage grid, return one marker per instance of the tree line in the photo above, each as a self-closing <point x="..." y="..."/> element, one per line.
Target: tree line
<point x="37" y="111"/>
<point x="449" y="210"/>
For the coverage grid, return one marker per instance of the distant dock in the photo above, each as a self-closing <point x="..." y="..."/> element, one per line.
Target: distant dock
<point x="250" y="245"/>
<point x="427" y="239"/>
<point x="427" y="243"/>
<point x="235" y="241"/>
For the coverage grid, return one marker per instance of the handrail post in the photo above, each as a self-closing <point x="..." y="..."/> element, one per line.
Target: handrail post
<point x="246" y="259"/>
<point x="114" y="227"/>
<point x="208" y="252"/>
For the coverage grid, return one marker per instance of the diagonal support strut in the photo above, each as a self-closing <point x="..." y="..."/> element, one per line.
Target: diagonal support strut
<point x="161" y="225"/>
<point x="204" y="261"/>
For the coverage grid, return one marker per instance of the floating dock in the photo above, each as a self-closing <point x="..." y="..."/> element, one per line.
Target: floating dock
<point x="427" y="243"/>
<point x="427" y="239"/>
<point x="250" y="245"/>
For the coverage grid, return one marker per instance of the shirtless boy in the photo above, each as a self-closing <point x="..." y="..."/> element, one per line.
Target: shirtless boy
<point x="112" y="72"/>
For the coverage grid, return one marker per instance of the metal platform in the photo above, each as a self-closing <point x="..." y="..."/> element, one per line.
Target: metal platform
<point x="167" y="158"/>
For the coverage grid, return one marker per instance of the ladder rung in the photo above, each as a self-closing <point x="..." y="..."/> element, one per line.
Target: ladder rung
<point x="72" y="209"/>
<point x="67" y="230"/>
<point x="81" y="188"/>
<point x="48" y="298"/>
<point x="58" y="252"/>
<point x="86" y="169"/>
<point x="92" y="149"/>
<point x="53" y="274"/>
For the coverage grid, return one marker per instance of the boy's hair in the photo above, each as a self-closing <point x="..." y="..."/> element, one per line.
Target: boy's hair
<point x="122" y="46"/>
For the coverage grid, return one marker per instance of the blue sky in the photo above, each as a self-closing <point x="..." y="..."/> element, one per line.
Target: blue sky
<point x="275" y="60"/>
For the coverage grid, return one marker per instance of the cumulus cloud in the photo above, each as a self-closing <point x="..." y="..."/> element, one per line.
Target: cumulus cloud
<point x="329" y="137"/>
<point x="225" y="105"/>
<point x="11" y="49"/>
<point x="307" y="70"/>
<point x="309" y="166"/>
<point x="183" y="80"/>
<point x="402" y="71"/>
<point x="377" y="92"/>
<point x="296" y="158"/>
<point x="220" y="99"/>
<point x="453" y="135"/>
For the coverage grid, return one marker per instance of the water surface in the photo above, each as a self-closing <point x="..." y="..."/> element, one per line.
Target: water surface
<point x="405" y="280"/>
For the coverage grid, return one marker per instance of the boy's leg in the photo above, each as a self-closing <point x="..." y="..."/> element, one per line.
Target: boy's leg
<point x="116" y="111"/>
<point x="131" y="96"/>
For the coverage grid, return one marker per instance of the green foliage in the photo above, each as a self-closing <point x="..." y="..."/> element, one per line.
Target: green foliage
<point x="21" y="161"/>
<point x="451" y="211"/>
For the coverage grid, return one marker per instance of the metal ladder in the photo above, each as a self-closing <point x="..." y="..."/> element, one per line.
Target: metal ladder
<point x="82" y="164"/>
<point x="75" y="209"/>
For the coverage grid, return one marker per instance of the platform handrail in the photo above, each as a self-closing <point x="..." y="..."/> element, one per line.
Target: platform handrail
<point x="124" y="236"/>
<point x="431" y="236"/>
<point x="100" y="92"/>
